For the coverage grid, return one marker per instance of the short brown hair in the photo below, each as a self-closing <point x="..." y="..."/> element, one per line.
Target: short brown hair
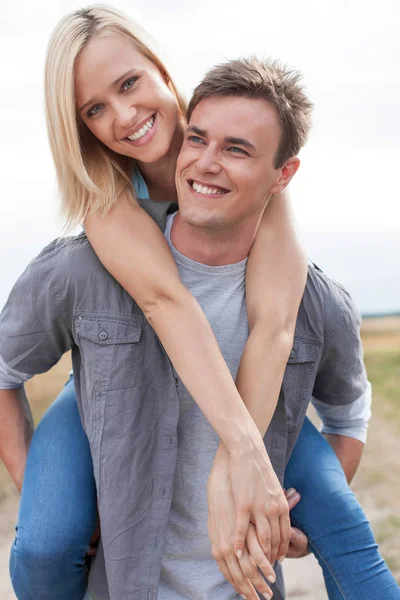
<point x="271" y="81"/>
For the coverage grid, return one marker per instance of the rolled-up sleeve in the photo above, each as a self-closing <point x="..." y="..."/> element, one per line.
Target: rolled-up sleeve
<point x="34" y="325"/>
<point x="350" y="420"/>
<point x="341" y="377"/>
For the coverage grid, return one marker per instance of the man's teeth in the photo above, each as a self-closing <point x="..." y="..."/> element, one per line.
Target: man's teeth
<point x="139" y="134"/>
<point x="201" y="189"/>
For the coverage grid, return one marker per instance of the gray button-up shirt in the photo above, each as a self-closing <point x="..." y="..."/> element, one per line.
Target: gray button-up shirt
<point x="127" y="392"/>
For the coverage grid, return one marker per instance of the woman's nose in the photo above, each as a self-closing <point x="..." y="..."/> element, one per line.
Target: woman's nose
<point x="125" y="115"/>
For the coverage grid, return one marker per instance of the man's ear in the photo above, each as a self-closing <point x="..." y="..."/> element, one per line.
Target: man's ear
<point x="286" y="173"/>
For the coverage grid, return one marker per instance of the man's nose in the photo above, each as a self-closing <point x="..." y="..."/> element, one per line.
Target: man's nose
<point x="208" y="162"/>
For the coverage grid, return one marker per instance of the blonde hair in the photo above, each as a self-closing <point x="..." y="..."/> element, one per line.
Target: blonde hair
<point x="90" y="175"/>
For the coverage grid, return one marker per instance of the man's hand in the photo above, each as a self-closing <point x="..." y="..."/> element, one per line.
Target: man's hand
<point x="298" y="545"/>
<point x="259" y="497"/>
<point x="94" y="540"/>
<point x="243" y="573"/>
<point x="16" y="430"/>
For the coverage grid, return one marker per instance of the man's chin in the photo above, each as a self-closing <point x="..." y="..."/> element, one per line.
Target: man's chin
<point x="201" y="218"/>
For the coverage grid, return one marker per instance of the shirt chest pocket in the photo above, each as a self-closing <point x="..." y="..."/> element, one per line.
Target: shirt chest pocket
<point x="300" y="373"/>
<point x="109" y="349"/>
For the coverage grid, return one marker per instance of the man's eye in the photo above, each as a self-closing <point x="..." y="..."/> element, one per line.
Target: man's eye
<point x="195" y="139"/>
<point x="94" y="110"/>
<point x="129" y="83"/>
<point x="236" y="150"/>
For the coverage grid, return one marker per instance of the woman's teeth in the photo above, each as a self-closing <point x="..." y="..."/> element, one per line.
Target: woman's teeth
<point x="201" y="189"/>
<point x="142" y="131"/>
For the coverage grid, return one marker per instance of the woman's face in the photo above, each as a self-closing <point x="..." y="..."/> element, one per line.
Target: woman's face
<point x="123" y="99"/>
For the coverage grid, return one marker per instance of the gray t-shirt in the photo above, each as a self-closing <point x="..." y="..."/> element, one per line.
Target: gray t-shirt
<point x="188" y="568"/>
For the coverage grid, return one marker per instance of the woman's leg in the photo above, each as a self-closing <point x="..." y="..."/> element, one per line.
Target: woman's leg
<point x="334" y="522"/>
<point x="58" y="508"/>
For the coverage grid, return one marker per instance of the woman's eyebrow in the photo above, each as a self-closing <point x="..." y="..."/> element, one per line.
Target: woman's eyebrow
<point x="116" y="82"/>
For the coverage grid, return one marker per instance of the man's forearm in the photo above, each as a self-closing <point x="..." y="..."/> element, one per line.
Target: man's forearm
<point x="16" y="430"/>
<point x="349" y="452"/>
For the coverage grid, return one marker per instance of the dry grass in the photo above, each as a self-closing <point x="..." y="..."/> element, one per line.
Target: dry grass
<point x="377" y="482"/>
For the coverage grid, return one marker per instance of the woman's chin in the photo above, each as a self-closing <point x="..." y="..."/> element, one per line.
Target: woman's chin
<point x="148" y="154"/>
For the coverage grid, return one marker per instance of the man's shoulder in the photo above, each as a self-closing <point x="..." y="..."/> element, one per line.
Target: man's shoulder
<point x="70" y="256"/>
<point x="70" y="269"/>
<point x="326" y="305"/>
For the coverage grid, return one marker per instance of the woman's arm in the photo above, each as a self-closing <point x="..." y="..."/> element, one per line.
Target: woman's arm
<point x="133" y="249"/>
<point x="276" y="277"/>
<point x="275" y="281"/>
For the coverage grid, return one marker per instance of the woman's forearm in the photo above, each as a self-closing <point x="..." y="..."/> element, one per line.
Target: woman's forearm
<point x="275" y="281"/>
<point x="134" y="251"/>
<point x="16" y="430"/>
<point x="190" y="343"/>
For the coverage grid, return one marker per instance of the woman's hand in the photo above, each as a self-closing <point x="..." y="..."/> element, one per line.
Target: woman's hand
<point x="259" y="497"/>
<point x="243" y="573"/>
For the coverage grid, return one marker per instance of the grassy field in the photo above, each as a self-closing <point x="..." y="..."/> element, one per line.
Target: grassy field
<point x="377" y="482"/>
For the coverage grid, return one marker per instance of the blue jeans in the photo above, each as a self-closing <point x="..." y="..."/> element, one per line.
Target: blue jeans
<point x="58" y="509"/>
<point x="337" y="529"/>
<point x="58" y="514"/>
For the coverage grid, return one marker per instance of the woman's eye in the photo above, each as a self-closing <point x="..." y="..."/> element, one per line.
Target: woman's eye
<point x="94" y="110"/>
<point x="129" y="83"/>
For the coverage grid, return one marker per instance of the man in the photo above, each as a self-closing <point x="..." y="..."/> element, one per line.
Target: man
<point x="152" y="483"/>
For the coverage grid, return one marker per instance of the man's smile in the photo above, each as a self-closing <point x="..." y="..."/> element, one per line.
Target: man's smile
<point x="206" y="189"/>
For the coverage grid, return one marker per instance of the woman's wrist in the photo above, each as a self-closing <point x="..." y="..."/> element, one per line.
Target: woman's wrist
<point x="242" y="438"/>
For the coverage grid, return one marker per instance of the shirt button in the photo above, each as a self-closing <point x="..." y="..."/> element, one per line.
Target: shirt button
<point x="103" y="335"/>
<point x="176" y="380"/>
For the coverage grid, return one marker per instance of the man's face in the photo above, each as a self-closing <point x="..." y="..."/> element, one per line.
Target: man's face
<point x="225" y="172"/>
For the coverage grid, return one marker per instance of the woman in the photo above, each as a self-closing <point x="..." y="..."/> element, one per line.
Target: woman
<point x="94" y="164"/>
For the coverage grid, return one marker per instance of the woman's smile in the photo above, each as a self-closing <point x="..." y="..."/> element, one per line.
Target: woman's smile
<point x="143" y="133"/>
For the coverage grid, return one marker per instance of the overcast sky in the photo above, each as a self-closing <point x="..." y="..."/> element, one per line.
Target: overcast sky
<point x="346" y="193"/>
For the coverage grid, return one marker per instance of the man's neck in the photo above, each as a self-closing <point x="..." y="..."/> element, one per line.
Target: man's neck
<point x="213" y="246"/>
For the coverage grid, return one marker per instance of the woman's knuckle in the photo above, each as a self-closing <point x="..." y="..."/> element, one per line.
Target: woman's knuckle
<point x="239" y="581"/>
<point x="244" y="508"/>
<point x="225" y="550"/>
<point x="273" y="510"/>
<point x="216" y="554"/>
<point x="263" y="564"/>
<point x="265" y="538"/>
<point x="246" y="568"/>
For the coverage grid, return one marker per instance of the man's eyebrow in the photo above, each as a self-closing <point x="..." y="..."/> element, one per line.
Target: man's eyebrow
<point x="114" y="83"/>
<point x="240" y="142"/>
<point x="197" y="130"/>
<point x="228" y="140"/>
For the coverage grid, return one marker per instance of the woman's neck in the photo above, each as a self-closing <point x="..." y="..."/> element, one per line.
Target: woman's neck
<point x="160" y="175"/>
